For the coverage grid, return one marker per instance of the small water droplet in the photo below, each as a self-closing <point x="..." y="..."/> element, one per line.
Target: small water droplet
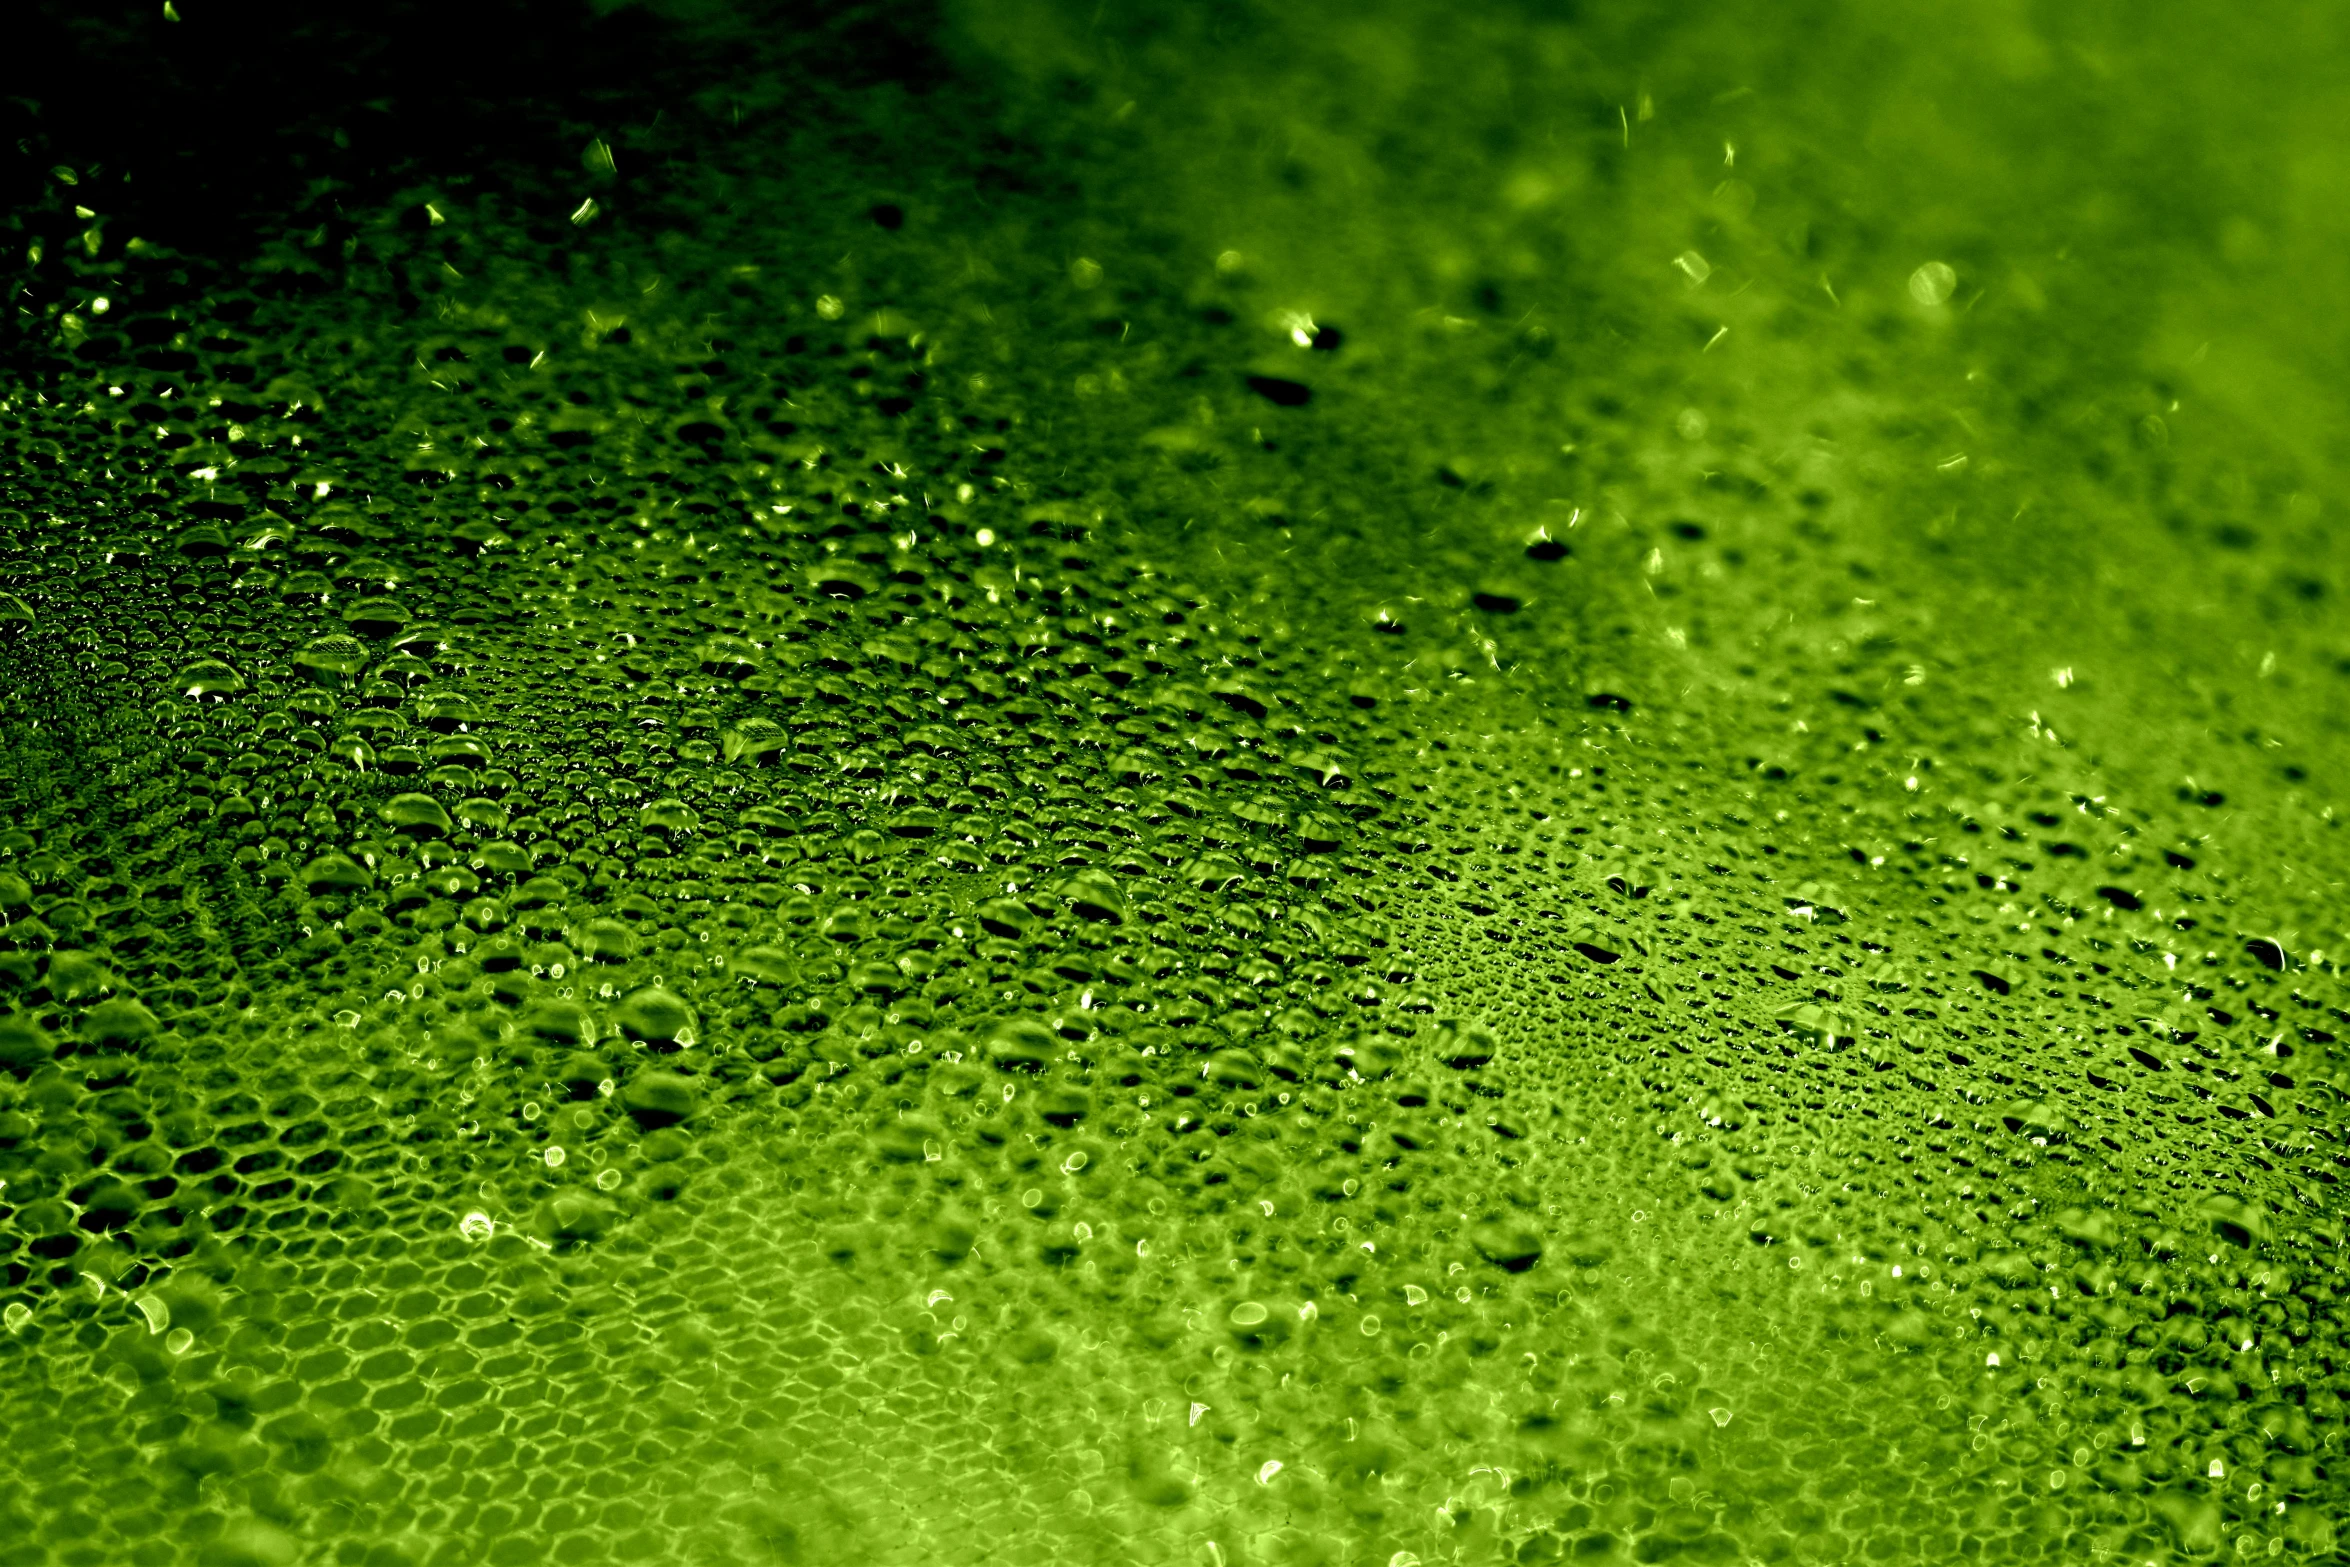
<point x="1931" y="284"/>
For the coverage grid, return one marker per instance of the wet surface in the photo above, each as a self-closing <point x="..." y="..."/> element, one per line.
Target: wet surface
<point x="804" y="785"/>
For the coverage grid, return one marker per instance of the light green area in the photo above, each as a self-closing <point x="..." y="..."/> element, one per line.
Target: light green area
<point x="1169" y="988"/>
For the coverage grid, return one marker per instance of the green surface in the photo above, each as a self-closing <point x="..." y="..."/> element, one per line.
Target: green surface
<point x="1220" y="785"/>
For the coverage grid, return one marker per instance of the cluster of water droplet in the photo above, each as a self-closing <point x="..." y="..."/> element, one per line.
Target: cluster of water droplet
<point x="641" y="947"/>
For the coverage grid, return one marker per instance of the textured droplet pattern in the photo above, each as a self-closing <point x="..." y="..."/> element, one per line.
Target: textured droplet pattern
<point x="798" y="877"/>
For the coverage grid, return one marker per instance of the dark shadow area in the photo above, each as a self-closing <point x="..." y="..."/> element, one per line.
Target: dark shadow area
<point x="236" y="120"/>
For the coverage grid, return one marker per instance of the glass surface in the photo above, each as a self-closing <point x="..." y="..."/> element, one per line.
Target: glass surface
<point x="1260" y="783"/>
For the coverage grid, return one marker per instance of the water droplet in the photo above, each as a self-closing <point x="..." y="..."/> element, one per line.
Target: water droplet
<point x="1931" y="285"/>
<point x="209" y="680"/>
